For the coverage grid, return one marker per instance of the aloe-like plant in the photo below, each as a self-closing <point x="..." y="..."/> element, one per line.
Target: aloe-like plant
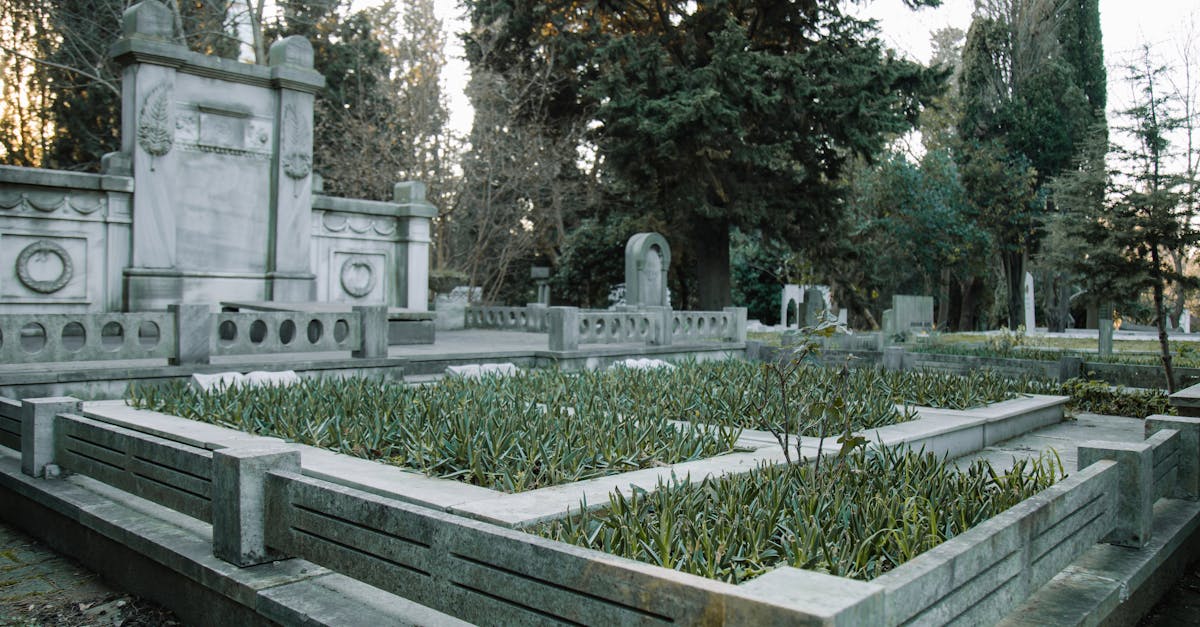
<point x="864" y="515"/>
<point x="514" y="434"/>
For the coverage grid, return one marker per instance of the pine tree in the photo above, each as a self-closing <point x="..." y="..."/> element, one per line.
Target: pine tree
<point x="716" y="114"/>
<point x="1033" y="86"/>
<point x="1145" y="218"/>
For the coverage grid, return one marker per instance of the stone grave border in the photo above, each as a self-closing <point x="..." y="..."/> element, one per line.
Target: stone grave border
<point x="940" y="431"/>
<point x="263" y="505"/>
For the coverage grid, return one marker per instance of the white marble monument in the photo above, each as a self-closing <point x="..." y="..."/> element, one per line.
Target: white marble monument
<point x="211" y="197"/>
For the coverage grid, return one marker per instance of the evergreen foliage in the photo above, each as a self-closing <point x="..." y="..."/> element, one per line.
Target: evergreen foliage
<point x="1145" y="215"/>
<point x="1032" y="90"/>
<point x="714" y="114"/>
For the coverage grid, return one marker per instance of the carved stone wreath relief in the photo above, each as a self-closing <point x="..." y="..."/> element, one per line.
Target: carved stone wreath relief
<point x="41" y="253"/>
<point x="358" y="277"/>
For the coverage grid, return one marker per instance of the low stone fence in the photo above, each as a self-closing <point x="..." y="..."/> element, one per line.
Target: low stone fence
<point x="569" y="326"/>
<point x="728" y="324"/>
<point x="188" y="334"/>
<point x="281" y="332"/>
<point x="264" y="507"/>
<point x="10" y="423"/>
<point x="28" y="338"/>
<point x="1064" y="368"/>
<point x="530" y="319"/>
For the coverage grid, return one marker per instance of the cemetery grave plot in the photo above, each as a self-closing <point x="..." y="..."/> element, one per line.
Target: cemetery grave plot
<point x="545" y="427"/>
<point x="1011" y="345"/>
<point x="513" y="434"/>
<point x="828" y="400"/>
<point x="857" y="516"/>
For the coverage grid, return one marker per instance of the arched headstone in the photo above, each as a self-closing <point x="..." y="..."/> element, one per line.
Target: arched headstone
<point x="647" y="261"/>
<point x="789" y="305"/>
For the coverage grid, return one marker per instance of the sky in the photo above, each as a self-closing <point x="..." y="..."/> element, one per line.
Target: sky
<point x="1126" y="24"/>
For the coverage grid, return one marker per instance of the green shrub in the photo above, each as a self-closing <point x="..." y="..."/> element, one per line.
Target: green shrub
<point x="1099" y="397"/>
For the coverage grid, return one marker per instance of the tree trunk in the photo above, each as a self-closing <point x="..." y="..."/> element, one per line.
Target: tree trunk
<point x="968" y="305"/>
<point x="1180" y="297"/>
<point x="1064" y="303"/>
<point x="710" y="243"/>
<point x="1057" y="298"/>
<point x="1014" y="271"/>
<point x="943" y="315"/>
<point x="1160" y="319"/>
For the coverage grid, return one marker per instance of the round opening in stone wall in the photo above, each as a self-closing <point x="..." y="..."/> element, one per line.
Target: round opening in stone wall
<point x="315" y="331"/>
<point x="112" y="336"/>
<point x="148" y="334"/>
<point x="33" y="337"/>
<point x="287" y="332"/>
<point x="74" y="336"/>
<point x="258" y="332"/>
<point x="227" y="332"/>
<point x="341" y="330"/>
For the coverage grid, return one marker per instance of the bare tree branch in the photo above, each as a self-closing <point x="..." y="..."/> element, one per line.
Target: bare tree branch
<point x="89" y="75"/>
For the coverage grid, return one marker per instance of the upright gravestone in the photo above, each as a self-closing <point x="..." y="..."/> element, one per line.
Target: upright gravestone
<point x="911" y="313"/>
<point x="541" y="278"/>
<point x="1030" y="320"/>
<point x="647" y="260"/>
<point x="790" y="300"/>
<point x="1106" y="330"/>
<point x="814" y="305"/>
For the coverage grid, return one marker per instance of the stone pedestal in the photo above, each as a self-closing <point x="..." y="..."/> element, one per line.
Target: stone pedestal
<point x="37" y="431"/>
<point x="417" y="214"/>
<point x="239" y="485"/>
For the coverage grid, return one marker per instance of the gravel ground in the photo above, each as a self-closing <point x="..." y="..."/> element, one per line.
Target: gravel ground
<point x="1180" y="606"/>
<point x="39" y="587"/>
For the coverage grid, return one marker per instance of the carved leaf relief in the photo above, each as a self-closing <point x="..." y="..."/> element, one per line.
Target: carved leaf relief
<point x="155" y="132"/>
<point x="297" y="162"/>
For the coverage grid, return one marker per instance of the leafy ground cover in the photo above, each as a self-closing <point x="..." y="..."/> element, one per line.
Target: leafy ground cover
<point x="1017" y="345"/>
<point x="1098" y="397"/>
<point x="513" y="434"/>
<point x="858" y="516"/>
<point x="749" y="395"/>
<point x="545" y="427"/>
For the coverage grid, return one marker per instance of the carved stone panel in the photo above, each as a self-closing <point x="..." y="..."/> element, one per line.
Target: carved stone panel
<point x="42" y="267"/>
<point x="358" y="277"/>
<point x="220" y="129"/>
<point x="201" y="128"/>
<point x="355" y="225"/>
<point x="60" y="203"/>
